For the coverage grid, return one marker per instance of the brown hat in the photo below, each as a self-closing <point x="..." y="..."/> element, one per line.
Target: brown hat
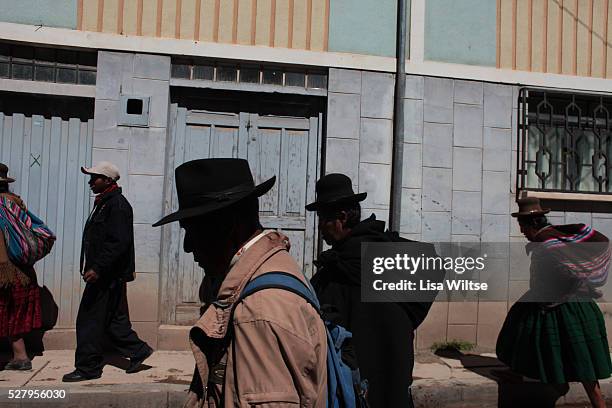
<point x="530" y="206"/>
<point x="4" y="178"/>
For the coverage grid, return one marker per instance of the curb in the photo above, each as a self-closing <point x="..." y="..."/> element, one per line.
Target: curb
<point x="464" y="394"/>
<point x="103" y="396"/>
<point x="426" y="393"/>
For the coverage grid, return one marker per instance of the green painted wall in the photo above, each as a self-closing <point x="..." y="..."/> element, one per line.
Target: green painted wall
<point x="364" y="26"/>
<point x="51" y="13"/>
<point x="461" y="31"/>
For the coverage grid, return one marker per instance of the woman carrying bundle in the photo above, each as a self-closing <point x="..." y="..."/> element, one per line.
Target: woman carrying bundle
<point x="556" y="331"/>
<point x="20" y="311"/>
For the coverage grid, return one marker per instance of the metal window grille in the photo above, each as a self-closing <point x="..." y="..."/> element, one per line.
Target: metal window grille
<point x="564" y="142"/>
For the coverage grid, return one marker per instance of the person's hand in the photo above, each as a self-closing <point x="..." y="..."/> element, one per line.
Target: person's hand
<point x="90" y="276"/>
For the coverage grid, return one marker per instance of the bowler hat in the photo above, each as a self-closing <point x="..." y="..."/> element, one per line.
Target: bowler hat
<point x="4" y="178"/>
<point x="334" y="189"/>
<point x="530" y="206"/>
<point x="207" y="185"/>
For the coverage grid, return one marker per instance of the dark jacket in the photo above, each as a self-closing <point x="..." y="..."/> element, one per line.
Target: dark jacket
<point x="108" y="239"/>
<point x="383" y="333"/>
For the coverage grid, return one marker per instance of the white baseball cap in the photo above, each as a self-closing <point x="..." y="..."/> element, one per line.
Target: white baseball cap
<point x="103" y="168"/>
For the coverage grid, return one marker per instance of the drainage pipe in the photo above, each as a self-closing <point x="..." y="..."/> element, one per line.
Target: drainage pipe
<point x="398" y="119"/>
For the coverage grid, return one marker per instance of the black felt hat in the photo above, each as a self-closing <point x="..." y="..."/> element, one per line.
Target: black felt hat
<point x="530" y="207"/>
<point x="334" y="189"/>
<point x="208" y="185"/>
<point x="4" y="178"/>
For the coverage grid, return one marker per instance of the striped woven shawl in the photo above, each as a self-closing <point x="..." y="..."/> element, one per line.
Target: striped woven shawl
<point x="582" y="251"/>
<point x="26" y="237"/>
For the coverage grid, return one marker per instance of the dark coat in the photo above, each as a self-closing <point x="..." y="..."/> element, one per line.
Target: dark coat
<point x="108" y="239"/>
<point x="383" y="333"/>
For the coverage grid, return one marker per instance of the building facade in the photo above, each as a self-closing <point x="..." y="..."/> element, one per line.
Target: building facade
<point x="497" y="94"/>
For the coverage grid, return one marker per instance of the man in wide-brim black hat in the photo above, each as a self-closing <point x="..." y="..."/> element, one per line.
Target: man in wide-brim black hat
<point x="383" y="332"/>
<point x="275" y="349"/>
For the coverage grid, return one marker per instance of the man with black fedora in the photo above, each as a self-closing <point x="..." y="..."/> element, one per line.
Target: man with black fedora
<point x="383" y="333"/>
<point x="268" y="349"/>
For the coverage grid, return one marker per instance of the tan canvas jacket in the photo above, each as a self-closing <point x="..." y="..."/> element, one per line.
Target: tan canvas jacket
<point x="279" y="350"/>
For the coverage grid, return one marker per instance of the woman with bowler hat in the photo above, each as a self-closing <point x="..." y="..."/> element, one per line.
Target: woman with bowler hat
<point x="556" y="332"/>
<point x="19" y="292"/>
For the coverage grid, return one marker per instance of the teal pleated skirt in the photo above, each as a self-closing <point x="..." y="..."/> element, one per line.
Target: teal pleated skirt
<point x="567" y="343"/>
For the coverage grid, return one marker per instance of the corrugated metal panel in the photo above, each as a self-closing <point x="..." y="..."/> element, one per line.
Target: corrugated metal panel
<point x="538" y="37"/>
<point x="523" y="36"/>
<point x="245" y="27"/>
<point x="608" y="36"/>
<point x="569" y="37"/>
<point x="599" y="42"/>
<point x="130" y="14"/>
<point x="147" y="25"/>
<point x="44" y="156"/>
<point x="263" y="22"/>
<point x="299" y="24"/>
<point x="188" y="19"/>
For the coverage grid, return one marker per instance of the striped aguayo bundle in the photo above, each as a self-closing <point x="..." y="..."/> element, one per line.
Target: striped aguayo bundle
<point x="27" y="238"/>
<point x="583" y="251"/>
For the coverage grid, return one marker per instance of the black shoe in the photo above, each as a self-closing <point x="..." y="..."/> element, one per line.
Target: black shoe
<point x="135" y="362"/>
<point x="77" y="376"/>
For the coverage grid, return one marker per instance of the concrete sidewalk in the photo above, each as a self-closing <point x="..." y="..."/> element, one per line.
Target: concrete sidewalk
<point x="451" y="382"/>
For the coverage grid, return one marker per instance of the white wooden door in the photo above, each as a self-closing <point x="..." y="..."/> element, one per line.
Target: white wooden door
<point x="285" y="147"/>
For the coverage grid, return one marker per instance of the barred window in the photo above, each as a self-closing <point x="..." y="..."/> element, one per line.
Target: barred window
<point x="564" y="142"/>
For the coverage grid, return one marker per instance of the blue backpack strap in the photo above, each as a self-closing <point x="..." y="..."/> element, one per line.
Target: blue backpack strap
<point x="280" y="280"/>
<point x="339" y="384"/>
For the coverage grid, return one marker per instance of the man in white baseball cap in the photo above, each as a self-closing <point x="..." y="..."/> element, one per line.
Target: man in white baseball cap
<point x="103" y="168"/>
<point x="107" y="263"/>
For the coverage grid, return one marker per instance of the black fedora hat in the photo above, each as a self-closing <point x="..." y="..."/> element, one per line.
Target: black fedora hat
<point x="334" y="189"/>
<point x="207" y="185"/>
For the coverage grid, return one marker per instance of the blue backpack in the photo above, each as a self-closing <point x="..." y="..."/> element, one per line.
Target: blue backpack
<point x="345" y="389"/>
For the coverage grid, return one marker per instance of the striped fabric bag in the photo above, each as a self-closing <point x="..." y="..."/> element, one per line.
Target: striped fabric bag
<point x="27" y="238"/>
<point x="584" y="252"/>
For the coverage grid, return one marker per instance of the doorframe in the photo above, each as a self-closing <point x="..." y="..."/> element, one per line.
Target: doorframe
<point x="170" y="245"/>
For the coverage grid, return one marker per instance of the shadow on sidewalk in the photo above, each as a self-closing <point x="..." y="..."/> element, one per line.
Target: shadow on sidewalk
<point x="122" y="363"/>
<point x="34" y="346"/>
<point x="514" y="390"/>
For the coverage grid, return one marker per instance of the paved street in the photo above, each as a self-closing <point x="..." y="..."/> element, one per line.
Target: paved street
<point x="463" y="381"/>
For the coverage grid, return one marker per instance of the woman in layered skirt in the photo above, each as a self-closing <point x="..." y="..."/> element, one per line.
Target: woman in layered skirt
<point x="556" y="331"/>
<point x="19" y="294"/>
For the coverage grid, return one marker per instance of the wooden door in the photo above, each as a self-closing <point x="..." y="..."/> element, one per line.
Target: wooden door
<point x="285" y="147"/>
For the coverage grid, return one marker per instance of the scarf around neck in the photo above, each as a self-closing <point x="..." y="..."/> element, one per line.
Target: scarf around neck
<point x="107" y="190"/>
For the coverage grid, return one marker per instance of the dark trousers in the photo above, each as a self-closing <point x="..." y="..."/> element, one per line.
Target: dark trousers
<point x="103" y="312"/>
<point x="383" y="337"/>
